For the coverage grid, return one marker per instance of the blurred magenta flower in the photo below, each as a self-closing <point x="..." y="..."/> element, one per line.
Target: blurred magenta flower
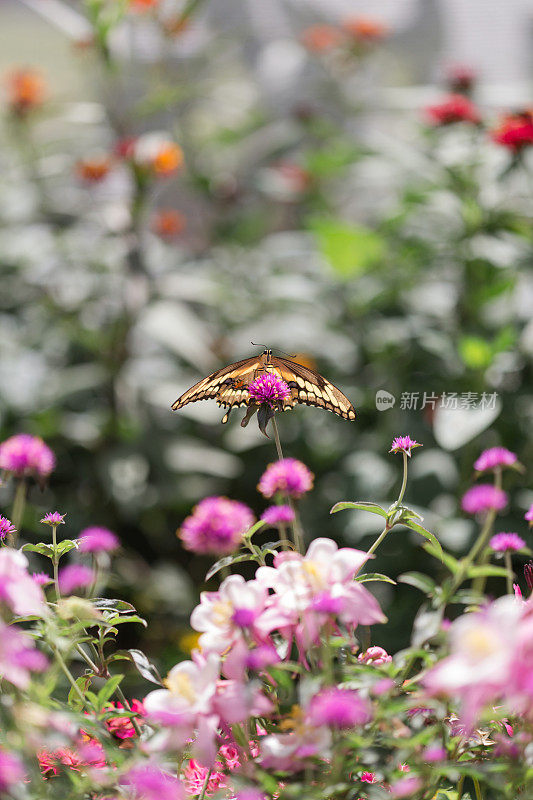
<point x="288" y="476"/>
<point x="270" y="390"/>
<point x="6" y="528"/>
<point x="514" y="131"/>
<point x="53" y="518"/>
<point x="374" y="655"/>
<point x="368" y="777"/>
<point x="17" y="588"/>
<point x="12" y="772"/>
<point x="453" y="108"/>
<point x="25" y="455"/>
<point x="529" y="516"/>
<point x="97" y="540"/>
<point x="501" y="542"/>
<point x="434" y="753"/>
<point x="483" y="497"/>
<point x="216" y="526"/>
<point x="403" y="444"/>
<point x="41" y="578"/>
<point x="74" y="576"/>
<point x="278" y="515"/>
<point x="18" y="656"/>
<point x="405" y="787"/>
<point x="339" y="708"/>
<point x="196" y="774"/>
<point x="494" y="457"/>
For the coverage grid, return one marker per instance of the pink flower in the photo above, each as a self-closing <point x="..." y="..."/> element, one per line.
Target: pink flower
<point x="339" y="708"/>
<point x="53" y="518"/>
<point x="506" y="541"/>
<point x="434" y="753"/>
<point x="17" y="588"/>
<point x="270" y="390"/>
<point x="98" y="540"/>
<point x="374" y="655"/>
<point x="494" y="457"/>
<point x="528" y="574"/>
<point x="6" y="528"/>
<point x="275" y="516"/>
<point x="12" y="772"/>
<point x="405" y="787"/>
<point x="290" y="751"/>
<point x="483" y="497"/>
<point x="368" y="777"/>
<point x="529" y="515"/>
<point x="454" y="108"/>
<point x="196" y="775"/>
<point x="121" y="727"/>
<point x="25" y="455"/>
<point x="74" y="576"/>
<point x="216" y="526"/>
<point x="41" y="578"/>
<point x="250" y="794"/>
<point x="287" y="476"/>
<point x="150" y="782"/>
<point x="403" y="444"/>
<point x="18" y="656"/>
<point x="515" y="131"/>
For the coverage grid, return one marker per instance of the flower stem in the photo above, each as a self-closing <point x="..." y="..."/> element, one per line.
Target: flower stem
<point x="69" y="676"/>
<point x="296" y="526"/>
<point x="206" y="784"/>
<point x="378" y="541"/>
<point x="18" y="510"/>
<point x="404" y="481"/>
<point x="510" y="573"/>
<point x="55" y="562"/>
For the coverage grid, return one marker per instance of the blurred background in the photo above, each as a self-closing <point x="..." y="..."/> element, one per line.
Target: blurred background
<point x="348" y="181"/>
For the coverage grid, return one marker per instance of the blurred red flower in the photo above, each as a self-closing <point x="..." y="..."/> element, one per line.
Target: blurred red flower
<point x="319" y="38"/>
<point x="365" y="29"/>
<point x="515" y="131"/>
<point x="93" y="169"/>
<point x="168" y="223"/>
<point x="454" y="108"/>
<point x="26" y="90"/>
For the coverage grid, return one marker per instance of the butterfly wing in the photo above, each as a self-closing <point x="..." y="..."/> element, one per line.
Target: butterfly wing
<point x="224" y="385"/>
<point x="312" y="389"/>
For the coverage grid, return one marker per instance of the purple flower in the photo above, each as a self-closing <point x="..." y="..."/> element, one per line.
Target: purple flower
<point x="150" y="782"/>
<point x="275" y="516"/>
<point x="529" y="516"/>
<point x="528" y="574"/>
<point x="11" y="771"/>
<point x="506" y="541"/>
<point x="339" y="708"/>
<point x="41" y="578"/>
<point x="98" y="540"/>
<point x="403" y="444"/>
<point x="269" y="389"/>
<point x="374" y="655"/>
<point x="483" y="497"/>
<point x="18" y="656"/>
<point x="53" y="518"/>
<point x="405" y="787"/>
<point x="216" y="526"/>
<point x="25" y="455"/>
<point x="6" y="528"/>
<point x="434" y="753"/>
<point x="494" y="457"/>
<point x="288" y="476"/>
<point x="74" y="576"/>
<point x="250" y="794"/>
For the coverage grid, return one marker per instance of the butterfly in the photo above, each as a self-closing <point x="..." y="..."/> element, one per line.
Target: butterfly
<point x="229" y="386"/>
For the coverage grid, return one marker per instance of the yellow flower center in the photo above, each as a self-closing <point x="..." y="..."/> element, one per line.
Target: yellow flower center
<point x="180" y="683"/>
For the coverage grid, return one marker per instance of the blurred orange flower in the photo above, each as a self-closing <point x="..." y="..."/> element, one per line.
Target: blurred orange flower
<point x="365" y="29"/>
<point x="93" y="169"/>
<point x="168" y="223"/>
<point x="156" y="152"/>
<point x="168" y="160"/>
<point x="319" y="38"/>
<point x="26" y="89"/>
<point x="142" y="5"/>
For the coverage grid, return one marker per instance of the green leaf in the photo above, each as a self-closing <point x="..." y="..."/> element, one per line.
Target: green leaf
<point x="226" y="561"/>
<point x="350" y="249"/>
<point x="143" y="665"/>
<point x="255" y="527"/>
<point x="415" y="526"/>
<point x="374" y="576"/>
<point x="122" y="619"/>
<point x="44" y="549"/>
<point x="419" y="581"/>
<point x="108" y="690"/>
<point x="361" y="505"/>
<point x="475" y="352"/>
<point x="451" y="562"/>
<point x="486" y="571"/>
<point x="109" y="604"/>
<point x="83" y="684"/>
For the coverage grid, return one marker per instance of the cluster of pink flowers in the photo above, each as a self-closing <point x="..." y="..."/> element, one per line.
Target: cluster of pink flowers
<point x="270" y="390"/>
<point x="216" y="526"/>
<point x="24" y="455"/>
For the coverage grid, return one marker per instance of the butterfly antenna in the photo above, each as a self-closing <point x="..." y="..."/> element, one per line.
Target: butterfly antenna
<point x="286" y="354"/>
<point x="259" y="345"/>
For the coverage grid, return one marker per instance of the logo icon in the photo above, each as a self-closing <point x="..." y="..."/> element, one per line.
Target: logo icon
<point x="384" y="400"/>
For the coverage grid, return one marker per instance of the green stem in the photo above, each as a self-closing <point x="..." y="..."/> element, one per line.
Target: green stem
<point x="296" y="526"/>
<point x="125" y="703"/>
<point x="206" y="784"/>
<point x="510" y="573"/>
<point x="477" y="788"/>
<point x="55" y="562"/>
<point x="18" y="510"/>
<point x="69" y="676"/>
<point x="404" y="481"/>
<point x="460" y="787"/>
<point x="378" y="541"/>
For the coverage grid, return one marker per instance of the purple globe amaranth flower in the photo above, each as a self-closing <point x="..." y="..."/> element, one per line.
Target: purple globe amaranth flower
<point x="26" y="455"/>
<point x="483" y="497"/>
<point x="288" y="476"/>
<point x="495" y="457"/>
<point x="434" y="753"/>
<point x="403" y="444"/>
<point x="98" y="540"/>
<point x="405" y="787"/>
<point x="12" y="772"/>
<point x="53" y="518"/>
<point x="6" y="528"/>
<point x="529" y="515"/>
<point x="274" y="516"/>
<point x="74" y="576"/>
<point x="41" y="578"/>
<point x="339" y="708"/>
<point x="150" y="782"/>
<point x="501" y="542"/>
<point x="216" y="526"/>
<point x="270" y="390"/>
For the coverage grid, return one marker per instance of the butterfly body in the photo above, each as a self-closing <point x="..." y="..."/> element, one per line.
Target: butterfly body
<point x="229" y="386"/>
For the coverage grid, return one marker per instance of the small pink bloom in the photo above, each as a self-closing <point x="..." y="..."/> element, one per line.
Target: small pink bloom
<point x="275" y="516"/>
<point x="216" y="526"/>
<point x="529" y="515"/>
<point x="368" y="777"/>
<point x="434" y="753"/>
<point x="406" y="787"/>
<point x="17" y="588"/>
<point x="97" y="540"/>
<point x="382" y="686"/>
<point x="75" y="576"/>
<point x="403" y="444"/>
<point x="6" y="528"/>
<point x="506" y="541"/>
<point x="12" y="772"/>
<point x="287" y="476"/>
<point x="196" y="775"/>
<point x="25" y="455"/>
<point x="517" y="591"/>
<point x="483" y="497"/>
<point x="375" y="656"/>
<point x="270" y="390"/>
<point x="18" y="656"/>
<point x="121" y="727"/>
<point x="53" y="518"/>
<point x="339" y="708"/>
<point x="454" y="108"/>
<point x="494" y="457"/>
<point x="150" y="782"/>
<point x="41" y="578"/>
